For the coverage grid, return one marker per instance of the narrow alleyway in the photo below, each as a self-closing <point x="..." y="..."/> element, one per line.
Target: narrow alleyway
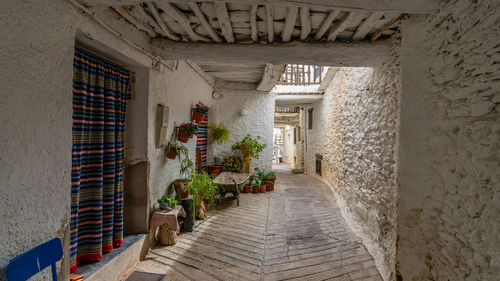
<point x="293" y="233"/>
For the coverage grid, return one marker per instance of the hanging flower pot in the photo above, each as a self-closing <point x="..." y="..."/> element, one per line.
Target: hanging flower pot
<point x="198" y="116"/>
<point x="172" y="153"/>
<point x="182" y="136"/>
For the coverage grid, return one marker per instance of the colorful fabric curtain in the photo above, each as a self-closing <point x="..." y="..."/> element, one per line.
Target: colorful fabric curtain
<point x="100" y="93"/>
<point x="201" y="141"/>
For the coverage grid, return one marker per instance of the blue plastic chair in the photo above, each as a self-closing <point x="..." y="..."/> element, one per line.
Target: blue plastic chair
<point x="22" y="267"/>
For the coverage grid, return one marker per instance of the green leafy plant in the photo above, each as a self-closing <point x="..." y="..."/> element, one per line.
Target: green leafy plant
<point x="220" y="133"/>
<point x="190" y="128"/>
<point x="217" y="161"/>
<point x="269" y="175"/>
<point x="200" y="110"/>
<point x="187" y="166"/>
<point x="202" y="188"/>
<point x="168" y="200"/>
<point x="250" y="146"/>
<point x="174" y="145"/>
<point x="232" y="163"/>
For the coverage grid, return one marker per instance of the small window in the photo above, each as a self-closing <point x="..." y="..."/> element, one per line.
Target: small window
<point x="310" y="119"/>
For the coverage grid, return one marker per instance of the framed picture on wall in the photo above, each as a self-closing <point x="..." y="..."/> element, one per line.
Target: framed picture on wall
<point x="162" y="112"/>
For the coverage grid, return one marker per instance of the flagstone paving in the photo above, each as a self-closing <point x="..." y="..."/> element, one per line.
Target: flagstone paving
<point x="295" y="232"/>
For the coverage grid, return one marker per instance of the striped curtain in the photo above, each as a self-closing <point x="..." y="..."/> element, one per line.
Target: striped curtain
<point x="201" y="141"/>
<point x="100" y="93"/>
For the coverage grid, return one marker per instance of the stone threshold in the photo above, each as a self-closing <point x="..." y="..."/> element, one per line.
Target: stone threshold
<point x="115" y="263"/>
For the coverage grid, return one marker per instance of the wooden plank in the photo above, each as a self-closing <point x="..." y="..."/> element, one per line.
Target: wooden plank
<point x="377" y="33"/>
<point x="125" y="13"/>
<point x="253" y="23"/>
<point x="270" y="23"/>
<point x="401" y="6"/>
<point x="225" y="24"/>
<point x="165" y="30"/>
<point x="326" y="53"/>
<point x="203" y="20"/>
<point x="305" y="22"/>
<point x="271" y="76"/>
<point x="342" y="24"/>
<point x="229" y="85"/>
<point x="291" y="17"/>
<point x="177" y="15"/>
<point x="367" y="25"/>
<point x="326" y="24"/>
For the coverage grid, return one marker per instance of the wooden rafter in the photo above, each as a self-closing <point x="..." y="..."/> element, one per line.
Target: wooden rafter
<point x="305" y="22"/>
<point x="365" y="27"/>
<point x="270" y="23"/>
<point x="253" y="23"/>
<point x="125" y="13"/>
<point x="326" y="24"/>
<point x="203" y="20"/>
<point x="330" y="54"/>
<point x="401" y="6"/>
<point x="225" y="24"/>
<point x="291" y="17"/>
<point x="183" y="21"/>
<point x="164" y="28"/>
<point x="347" y="20"/>
<point x="377" y="33"/>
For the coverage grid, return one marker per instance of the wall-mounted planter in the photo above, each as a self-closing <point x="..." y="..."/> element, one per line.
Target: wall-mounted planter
<point x="183" y="137"/>
<point x="172" y="154"/>
<point x="198" y="116"/>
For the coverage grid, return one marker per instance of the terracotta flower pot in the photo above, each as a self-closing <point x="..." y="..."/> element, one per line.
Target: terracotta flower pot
<point x="198" y="116"/>
<point x="262" y="188"/>
<point x="183" y="137"/>
<point x="214" y="169"/>
<point x="270" y="184"/>
<point x="179" y="188"/>
<point x="172" y="154"/>
<point x="255" y="189"/>
<point x="246" y="189"/>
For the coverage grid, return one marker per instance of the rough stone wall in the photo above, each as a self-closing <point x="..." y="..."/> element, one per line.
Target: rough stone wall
<point x="355" y="130"/>
<point x="449" y="200"/>
<point x="259" y="121"/>
<point x="180" y="90"/>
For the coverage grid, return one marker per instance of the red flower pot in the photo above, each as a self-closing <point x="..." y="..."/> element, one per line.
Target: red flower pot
<point x="246" y="189"/>
<point x="270" y="184"/>
<point x="255" y="189"/>
<point x="172" y="154"/>
<point x="262" y="188"/>
<point x="183" y="137"/>
<point x="198" y="116"/>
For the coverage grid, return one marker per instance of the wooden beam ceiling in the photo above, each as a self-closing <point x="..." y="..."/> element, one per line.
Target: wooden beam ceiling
<point x="400" y="6"/>
<point x="325" y="53"/>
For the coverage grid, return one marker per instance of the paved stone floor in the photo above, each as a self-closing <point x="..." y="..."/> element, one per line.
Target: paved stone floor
<point x="292" y="233"/>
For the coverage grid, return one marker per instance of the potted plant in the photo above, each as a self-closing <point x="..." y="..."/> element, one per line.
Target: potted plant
<point x="198" y="114"/>
<point x="262" y="186"/>
<point x="250" y="148"/>
<point x="203" y="190"/>
<point x="186" y="131"/>
<point x="232" y="163"/>
<point x="247" y="187"/>
<point x="216" y="168"/>
<point x="256" y="186"/>
<point x="220" y="134"/>
<point x="270" y="179"/>
<point x="173" y="149"/>
<point x="168" y="201"/>
<point x="186" y="170"/>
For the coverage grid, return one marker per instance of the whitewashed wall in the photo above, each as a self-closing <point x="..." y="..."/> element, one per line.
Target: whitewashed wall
<point x="259" y="121"/>
<point x="288" y="145"/>
<point x="449" y="200"/>
<point x="355" y="131"/>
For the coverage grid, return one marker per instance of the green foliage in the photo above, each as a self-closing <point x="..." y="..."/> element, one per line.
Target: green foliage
<point x="232" y="163"/>
<point x="190" y="128"/>
<point x="197" y="109"/>
<point x="269" y="175"/>
<point x="187" y="166"/>
<point x="169" y="200"/>
<point x="220" y="133"/>
<point x="257" y="181"/>
<point x="250" y="146"/>
<point x="202" y="187"/>
<point x="173" y="145"/>
<point x="217" y="160"/>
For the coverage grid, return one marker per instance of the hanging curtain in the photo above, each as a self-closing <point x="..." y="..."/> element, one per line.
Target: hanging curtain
<point x="201" y="141"/>
<point x="100" y="93"/>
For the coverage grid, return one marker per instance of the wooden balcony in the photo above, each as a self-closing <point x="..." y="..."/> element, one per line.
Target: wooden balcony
<point x="302" y="75"/>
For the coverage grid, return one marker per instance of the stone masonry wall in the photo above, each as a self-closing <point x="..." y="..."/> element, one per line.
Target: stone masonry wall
<point x="355" y="129"/>
<point x="449" y="194"/>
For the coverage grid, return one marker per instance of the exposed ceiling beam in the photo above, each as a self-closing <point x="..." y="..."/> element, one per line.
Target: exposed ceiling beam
<point x="239" y="86"/>
<point x="325" y="53"/>
<point x="271" y="76"/>
<point x="402" y="6"/>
